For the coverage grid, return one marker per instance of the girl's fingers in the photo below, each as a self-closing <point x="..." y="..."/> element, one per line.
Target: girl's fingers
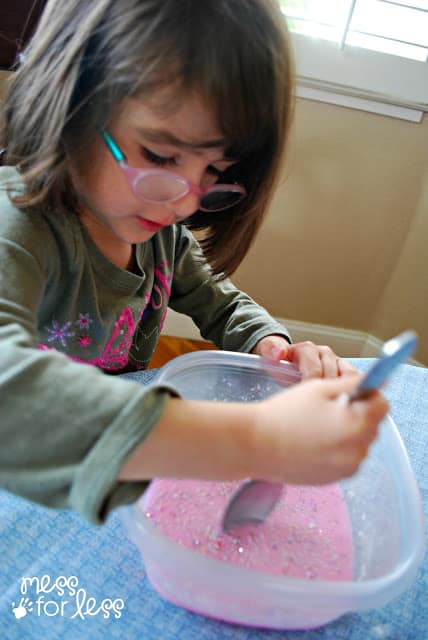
<point x="329" y="363"/>
<point x="307" y="358"/>
<point x="345" y="368"/>
<point x="317" y="361"/>
<point x="339" y="387"/>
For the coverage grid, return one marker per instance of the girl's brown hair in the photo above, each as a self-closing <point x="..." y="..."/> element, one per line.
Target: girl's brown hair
<point x="87" y="57"/>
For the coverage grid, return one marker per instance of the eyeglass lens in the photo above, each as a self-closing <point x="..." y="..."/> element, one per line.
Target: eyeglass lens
<point x="159" y="188"/>
<point x="218" y="200"/>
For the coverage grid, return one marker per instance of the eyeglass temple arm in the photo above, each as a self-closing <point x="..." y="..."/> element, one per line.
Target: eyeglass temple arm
<point x="113" y="148"/>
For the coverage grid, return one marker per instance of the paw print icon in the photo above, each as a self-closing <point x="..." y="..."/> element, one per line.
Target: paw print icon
<point x="25" y="606"/>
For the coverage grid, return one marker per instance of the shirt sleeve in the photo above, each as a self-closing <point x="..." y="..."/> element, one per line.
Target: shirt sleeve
<point x="224" y="314"/>
<point x="66" y="429"/>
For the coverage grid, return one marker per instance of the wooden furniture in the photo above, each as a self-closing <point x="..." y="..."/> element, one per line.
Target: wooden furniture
<point x="170" y="347"/>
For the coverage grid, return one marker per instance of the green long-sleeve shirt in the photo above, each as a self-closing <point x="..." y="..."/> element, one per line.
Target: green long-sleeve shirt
<point x="66" y="428"/>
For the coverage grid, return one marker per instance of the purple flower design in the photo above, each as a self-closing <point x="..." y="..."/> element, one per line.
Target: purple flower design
<point x="60" y="334"/>
<point x="84" y="321"/>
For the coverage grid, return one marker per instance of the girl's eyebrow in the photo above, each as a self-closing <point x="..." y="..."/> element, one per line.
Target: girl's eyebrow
<point x="163" y="136"/>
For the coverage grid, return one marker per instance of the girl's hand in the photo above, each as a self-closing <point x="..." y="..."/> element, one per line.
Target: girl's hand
<point x="304" y="435"/>
<point x="312" y="360"/>
<point x="307" y="435"/>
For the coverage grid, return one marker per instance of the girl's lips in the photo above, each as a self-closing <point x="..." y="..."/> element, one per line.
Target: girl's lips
<point x="149" y="225"/>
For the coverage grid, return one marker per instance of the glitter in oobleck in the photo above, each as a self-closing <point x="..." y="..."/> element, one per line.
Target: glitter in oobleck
<point x="308" y="535"/>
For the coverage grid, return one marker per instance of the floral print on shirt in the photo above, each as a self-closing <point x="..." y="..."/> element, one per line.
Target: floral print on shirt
<point x="116" y="353"/>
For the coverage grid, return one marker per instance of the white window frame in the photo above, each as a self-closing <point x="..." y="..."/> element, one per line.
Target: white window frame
<point x="360" y="78"/>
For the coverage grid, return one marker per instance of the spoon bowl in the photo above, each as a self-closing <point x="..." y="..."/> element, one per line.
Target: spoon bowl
<point x="251" y="503"/>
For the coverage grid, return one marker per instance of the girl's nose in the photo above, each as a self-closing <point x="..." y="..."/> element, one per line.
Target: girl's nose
<point x="185" y="206"/>
<point x="193" y="172"/>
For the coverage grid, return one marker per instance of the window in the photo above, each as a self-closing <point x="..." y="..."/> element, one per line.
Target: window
<point x="369" y="54"/>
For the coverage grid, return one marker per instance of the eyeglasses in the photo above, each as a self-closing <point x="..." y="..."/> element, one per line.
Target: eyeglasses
<point x="160" y="186"/>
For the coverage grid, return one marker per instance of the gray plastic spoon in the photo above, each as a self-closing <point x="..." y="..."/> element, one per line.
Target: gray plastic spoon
<point x="253" y="501"/>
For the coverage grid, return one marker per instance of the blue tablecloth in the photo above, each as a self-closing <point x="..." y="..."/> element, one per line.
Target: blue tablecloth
<point x="105" y="566"/>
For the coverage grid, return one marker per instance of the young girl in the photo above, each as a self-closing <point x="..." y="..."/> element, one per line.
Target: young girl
<point x="129" y="124"/>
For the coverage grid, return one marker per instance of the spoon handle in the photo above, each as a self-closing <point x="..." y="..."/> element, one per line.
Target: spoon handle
<point x="394" y="352"/>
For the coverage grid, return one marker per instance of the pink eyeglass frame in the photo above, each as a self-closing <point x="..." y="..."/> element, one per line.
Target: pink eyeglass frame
<point x="134" y="175"/>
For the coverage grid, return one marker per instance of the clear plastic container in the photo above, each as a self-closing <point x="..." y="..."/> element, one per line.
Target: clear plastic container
<point x="382" y="499"/>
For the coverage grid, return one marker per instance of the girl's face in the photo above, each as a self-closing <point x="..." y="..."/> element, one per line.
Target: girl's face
<point x="187" y="141"/>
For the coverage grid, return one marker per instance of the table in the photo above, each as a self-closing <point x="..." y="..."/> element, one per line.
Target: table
<point x="37" y="542"/>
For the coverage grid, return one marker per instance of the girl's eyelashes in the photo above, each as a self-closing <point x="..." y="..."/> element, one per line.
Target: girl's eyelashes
<point x="162" y="161"/>
<point x="154" y="158"/>
<point x="214" y="171"/>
